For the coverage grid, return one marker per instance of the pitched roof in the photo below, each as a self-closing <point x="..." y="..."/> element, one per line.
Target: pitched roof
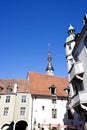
<point x="23" y="85"/>
<point x="40" y="83"/>
<point x="36" y="83"/>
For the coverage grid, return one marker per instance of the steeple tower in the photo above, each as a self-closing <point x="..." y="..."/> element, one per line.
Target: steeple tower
<point x="49" y="69"/>
<point x="69" y="45"/>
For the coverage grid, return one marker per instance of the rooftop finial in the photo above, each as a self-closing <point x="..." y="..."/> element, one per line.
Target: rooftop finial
<point x="49" y="69"/>
<point x="49" y="43"/>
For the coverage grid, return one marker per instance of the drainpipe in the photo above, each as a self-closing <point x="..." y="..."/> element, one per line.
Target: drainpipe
<point x="15" y="93"/>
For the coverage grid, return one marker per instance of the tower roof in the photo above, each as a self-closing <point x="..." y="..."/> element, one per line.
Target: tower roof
<point x="49" y="68"/>
<point x="71" y="34"/>
<point x="71" y="27"/>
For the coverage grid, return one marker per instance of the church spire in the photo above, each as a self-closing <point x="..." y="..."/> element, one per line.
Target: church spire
<point x="49" y="68"/>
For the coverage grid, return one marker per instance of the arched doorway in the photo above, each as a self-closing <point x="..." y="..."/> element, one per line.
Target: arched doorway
<point x="21" y="125"/>
<point x="54" y="128"/>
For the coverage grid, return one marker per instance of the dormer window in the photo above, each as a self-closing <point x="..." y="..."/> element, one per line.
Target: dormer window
<point x="1" y="88"/>
<point x="9" y="89"/>
<point x="53" y="90"/>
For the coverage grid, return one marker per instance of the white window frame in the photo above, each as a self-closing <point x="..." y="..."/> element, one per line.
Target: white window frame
<point x="22" y="110"/>
<point x="6" y="109"/>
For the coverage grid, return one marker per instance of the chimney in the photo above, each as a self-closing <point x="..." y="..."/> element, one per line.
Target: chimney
<point x="15" y="87"/>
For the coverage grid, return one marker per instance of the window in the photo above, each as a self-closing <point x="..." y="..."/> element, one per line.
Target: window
<point x="1" y="88"/>
<point x="75" y="88"/>
<point x="23" y="98"/>
<point x="69" y="47"/>
<point x="80" y="85"/>
<point x="43" y="107"/>
<point x="54" y="113"/>
<point x="53" y="89"/>
<point x="7" y="99"/>
<point x="9" y="89"/>
<point x="71" y="61"/>
<point x="54" y="100"/>
<point x="22" y="111"/>
<point x="38" y="125"/>
<point x="70" y="115"/>
<point x="6" y="111"/>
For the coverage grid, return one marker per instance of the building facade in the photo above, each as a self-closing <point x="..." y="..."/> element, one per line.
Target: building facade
<point x="37" y="103"/>
<point x="15" y="104"/>
<point x="48" y="97"/>
<point x="76" y="56"/>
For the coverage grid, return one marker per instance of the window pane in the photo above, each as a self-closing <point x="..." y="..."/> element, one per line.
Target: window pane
<point x="7" y="99"/>
<point x="23" y="98"/>
<point x="22" y="111"/>
<point x="54" y="101"/>
<point x="54" y="113"/>
<point x="5" y="111"/>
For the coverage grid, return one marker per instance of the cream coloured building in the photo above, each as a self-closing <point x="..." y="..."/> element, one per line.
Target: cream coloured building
<point x="15" y="103"/>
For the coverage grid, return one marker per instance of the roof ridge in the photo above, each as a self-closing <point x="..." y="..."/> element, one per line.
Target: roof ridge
<point x="48" y="75"/>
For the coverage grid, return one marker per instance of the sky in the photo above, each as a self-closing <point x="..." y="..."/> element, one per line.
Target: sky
<point x="26" y="29"/>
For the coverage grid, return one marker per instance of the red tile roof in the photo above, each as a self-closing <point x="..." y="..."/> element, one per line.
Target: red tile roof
<point x="40" y="83"/>
<point x="36" y="83"/>
<point x="23" y="85"/>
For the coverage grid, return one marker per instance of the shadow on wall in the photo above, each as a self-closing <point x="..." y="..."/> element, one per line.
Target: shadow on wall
<point x="20" y="125"/>
<point x="72" y="120"/>
<point x="10" y="126"/>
